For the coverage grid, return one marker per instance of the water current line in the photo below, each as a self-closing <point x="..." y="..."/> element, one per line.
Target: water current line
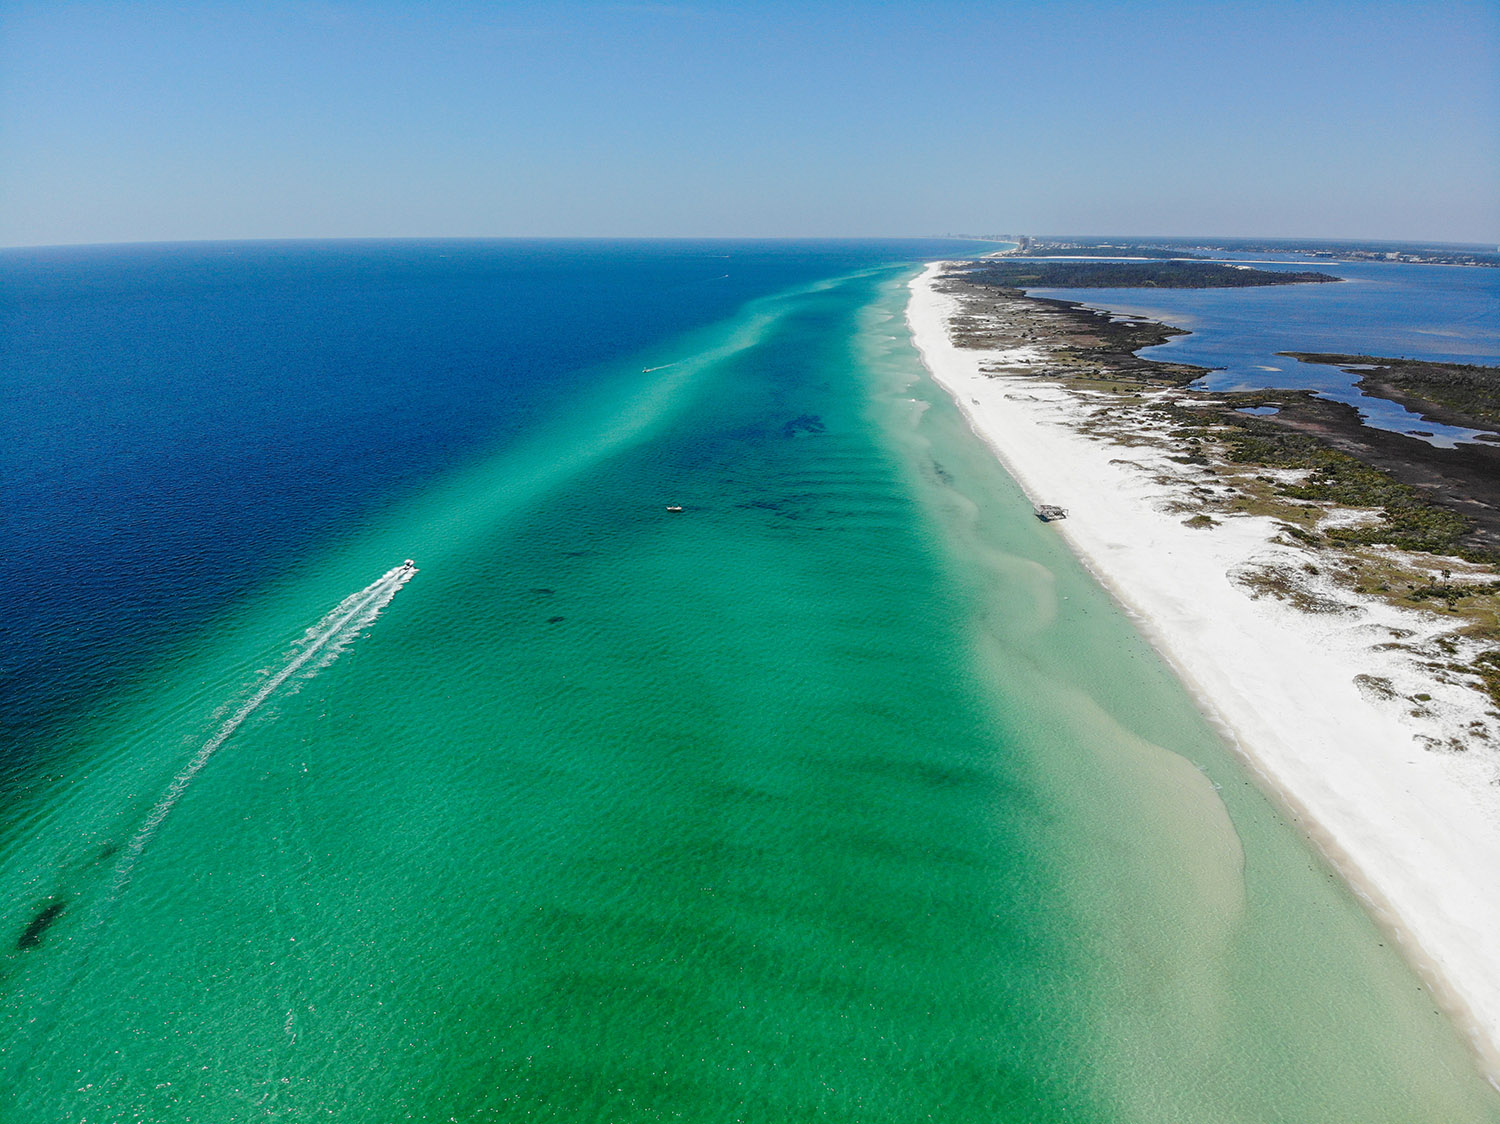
<point x="327" y="639"/>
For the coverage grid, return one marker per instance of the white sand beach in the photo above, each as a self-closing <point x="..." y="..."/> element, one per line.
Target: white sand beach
<point x="1393" y="771"/>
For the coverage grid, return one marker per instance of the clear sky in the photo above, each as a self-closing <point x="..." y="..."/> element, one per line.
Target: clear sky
<point x="149" y="120"/>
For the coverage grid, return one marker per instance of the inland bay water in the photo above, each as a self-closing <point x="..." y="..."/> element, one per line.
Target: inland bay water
<point x="843" y="794"/>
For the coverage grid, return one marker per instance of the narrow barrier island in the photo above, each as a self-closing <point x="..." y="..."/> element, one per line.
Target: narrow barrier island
<point x="1331" y="590"/>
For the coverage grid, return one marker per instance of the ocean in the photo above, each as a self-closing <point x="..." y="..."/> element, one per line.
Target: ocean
<point x="844" y="793"/>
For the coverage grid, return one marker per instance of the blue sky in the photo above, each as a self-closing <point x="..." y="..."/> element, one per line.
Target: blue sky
<point x="147" y="121"/>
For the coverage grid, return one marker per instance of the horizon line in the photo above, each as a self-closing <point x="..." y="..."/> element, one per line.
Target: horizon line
<point x="1482" y="245"/>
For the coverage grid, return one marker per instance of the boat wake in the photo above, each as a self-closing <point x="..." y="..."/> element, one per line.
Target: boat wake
<point x="318" y="648"/>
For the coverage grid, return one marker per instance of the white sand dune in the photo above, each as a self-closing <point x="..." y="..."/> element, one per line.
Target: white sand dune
<point x="1319" y="704"/>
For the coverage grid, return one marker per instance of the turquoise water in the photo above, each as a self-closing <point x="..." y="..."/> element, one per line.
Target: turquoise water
<point x="844" y="794"/>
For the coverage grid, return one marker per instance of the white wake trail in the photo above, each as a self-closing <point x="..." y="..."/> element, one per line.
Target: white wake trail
<point x="323" y="642"/>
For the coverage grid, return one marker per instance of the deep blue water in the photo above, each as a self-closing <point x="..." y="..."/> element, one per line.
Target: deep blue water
<point x="1435" y="312"/>
<point x="184" y="423"/>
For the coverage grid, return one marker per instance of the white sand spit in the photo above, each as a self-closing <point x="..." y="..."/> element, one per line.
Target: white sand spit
<point x="1331" y="697"/>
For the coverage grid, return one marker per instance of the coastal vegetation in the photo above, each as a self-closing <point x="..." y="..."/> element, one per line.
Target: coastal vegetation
<point x="1379" y="514"/>
<point x="1405" y="552"/>
<point x="1410" y="549"/>
<point x="1487" y="667"/>
<point x="1011" y="273"/>
<point x="1409" y="519"/>
<point x="1082" y="342"/>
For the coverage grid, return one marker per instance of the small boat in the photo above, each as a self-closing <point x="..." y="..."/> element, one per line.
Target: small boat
<point x="409" y="566"/>
<point x="1047" y="512"/>
<point x="674" y="507"/>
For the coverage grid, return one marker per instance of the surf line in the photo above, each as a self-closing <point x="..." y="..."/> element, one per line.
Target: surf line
<point x="326" y="639"/>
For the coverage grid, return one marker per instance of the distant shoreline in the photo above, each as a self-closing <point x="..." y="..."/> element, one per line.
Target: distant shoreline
<point x="1072" y="273"/>
<point x="1478" y="254"/>
<point x="1363" y="744"/>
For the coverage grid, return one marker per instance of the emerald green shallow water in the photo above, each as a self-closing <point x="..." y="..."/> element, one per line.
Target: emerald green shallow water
<point x="843" y="795"/>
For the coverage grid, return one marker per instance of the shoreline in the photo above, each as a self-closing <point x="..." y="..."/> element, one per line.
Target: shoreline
<point x="1378" y="785"/>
